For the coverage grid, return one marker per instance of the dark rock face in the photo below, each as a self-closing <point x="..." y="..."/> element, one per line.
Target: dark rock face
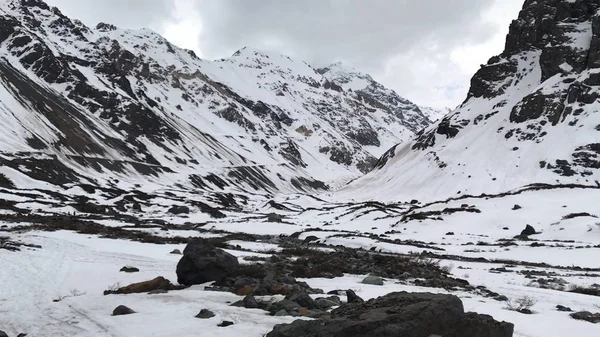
<point x="3" y="334"/>
<point x="201" y="263"/>
<point x="400" y="314"/>
<point x="122" y="310"/>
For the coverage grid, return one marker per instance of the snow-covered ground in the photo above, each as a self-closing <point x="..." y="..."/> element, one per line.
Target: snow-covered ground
<point x="80" y="267"/>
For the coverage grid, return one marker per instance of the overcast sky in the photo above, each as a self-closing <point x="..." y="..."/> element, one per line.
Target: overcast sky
<point x="426" y="50"/>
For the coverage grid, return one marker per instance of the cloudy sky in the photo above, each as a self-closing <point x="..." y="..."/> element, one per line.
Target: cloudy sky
<point x="427" y="50"/>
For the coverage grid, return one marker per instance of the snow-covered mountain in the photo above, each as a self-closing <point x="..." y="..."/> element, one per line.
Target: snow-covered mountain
<point x="434" y="114"/>
<point x="125" y="108"/>
<point x="531" y="116"/>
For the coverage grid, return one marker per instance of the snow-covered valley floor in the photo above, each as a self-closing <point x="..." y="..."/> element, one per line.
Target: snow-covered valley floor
<point x="75" y="267"/>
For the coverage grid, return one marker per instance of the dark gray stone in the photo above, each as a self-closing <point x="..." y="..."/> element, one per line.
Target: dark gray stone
<point x="250" y="302"/>
<point x="122" y="310"/>
<point x="128" y="269"/>
<point x="205" y="314"/>
<point x="563" y="308"/>
<point x="202" y="263"/>
<point x="586" y="316"/>
<point x="225" y="324"/>
<point x="3" y="334"/>
<point x="399" y="314"/>
<point x="373" y="280"/>
<point x="529" y="230"/>
<point x="352" y="297"/>
<point x="303" y="299"/>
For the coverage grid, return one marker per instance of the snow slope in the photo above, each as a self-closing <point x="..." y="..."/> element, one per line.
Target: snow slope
<point x="531" y="116"/>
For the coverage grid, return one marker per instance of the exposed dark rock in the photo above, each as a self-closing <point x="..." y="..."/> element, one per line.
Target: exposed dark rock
<point x="516" y="207"/>
<point x="586" y="316"/>
<point x="175" y="252"/>
<point x="202" y="263"/>
<point x="179" y="210"/>
<point x="3" y="334"/>
<point x="529" y="230"/>
<point x="250" y="302"/>
<point x="225" y="324"/>
<point x="373" y="280"/>
<point x="352" y="297"/>
<point x="563" y="308"/>
<point x="400" y="314"/>
<point x="122" y="310"/>
<point x="205" y="313"/>
<point x="144" y="287"/>
<point x="128" y="269"/>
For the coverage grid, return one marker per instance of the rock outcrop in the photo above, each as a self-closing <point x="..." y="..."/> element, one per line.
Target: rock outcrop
<point x="400" y="314"/>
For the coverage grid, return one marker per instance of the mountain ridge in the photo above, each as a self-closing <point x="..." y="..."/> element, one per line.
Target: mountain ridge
<point x="127" y="104"/>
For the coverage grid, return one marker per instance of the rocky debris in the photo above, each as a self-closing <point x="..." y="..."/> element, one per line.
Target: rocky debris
<point x="179" y="210"/>
<point x="175" y="252"/>
<point x="14" y="246"/>
<point x="400" y="314"/>
<point x="146" y="286"/>
<point x="122" y="310"/>
<point x="202" y="263"/>
<point x="274" y="217"/>
<point x="205" y="314"/>
<point x="128" y="269"/>
<point x="352" y="297"/>
<point x="225" y="324"/>
<point x="529" y="230"/>
<point x="563" y="308"/>
<point x="373" y="280"/>
<point x="586" y="316"/>
<point x="158" y="292"/>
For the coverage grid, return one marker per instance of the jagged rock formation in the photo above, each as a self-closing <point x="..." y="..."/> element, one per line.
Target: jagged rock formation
<point x="119" y="108"/>
<point x="531" y="115"/>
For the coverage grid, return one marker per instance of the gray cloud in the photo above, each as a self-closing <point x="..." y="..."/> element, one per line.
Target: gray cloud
<point x="365" y="33"/>
<point x="122" y="13"/>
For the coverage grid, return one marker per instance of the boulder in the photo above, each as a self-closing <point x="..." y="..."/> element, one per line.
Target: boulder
<point x="250" y="302"/>
<point x="586" y="316"/>
<point x="205" y="314"/>
<point x="325" y="303"/>
<point x="352" y="297"/>
<point x="159" y="283"/>
<point x="3" y="334"/>
<point x="225" y="324"/>
<point x="302" y="299"/>
<point x="563" y="308"/>
<point x="175" y="252"/>
<point x="122" y="310"/>
<point x="373" y="280"/>
<point x="202" y="263"/>
<point x="400" y="314"/>
<point x="128" y="269"/>
<point x="529" y="230"/>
